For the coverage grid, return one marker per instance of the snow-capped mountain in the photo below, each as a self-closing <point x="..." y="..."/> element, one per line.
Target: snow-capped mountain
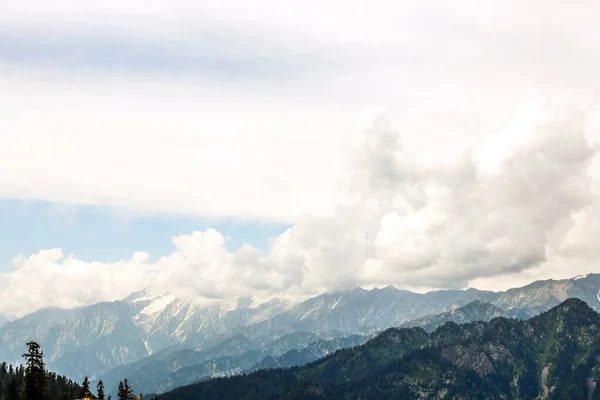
<point x="91" y="341"/>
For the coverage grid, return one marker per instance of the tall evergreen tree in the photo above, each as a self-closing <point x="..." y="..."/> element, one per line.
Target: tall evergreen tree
<point x="35" y="384"/>
<point x="100" y="390"/>
<point x="85" y="388"/>
<point x="121" y="395"/>
<point x="56" y="387"/>
<point x="127" y="390"/>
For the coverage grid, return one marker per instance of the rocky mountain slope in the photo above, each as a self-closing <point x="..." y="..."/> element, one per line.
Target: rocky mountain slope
<point x="555" y="355"/>
<point x="172" y="368"/>
<point x="471" y="312"/>
<point x="249" y="361"/>
<point x="147" y="374"/>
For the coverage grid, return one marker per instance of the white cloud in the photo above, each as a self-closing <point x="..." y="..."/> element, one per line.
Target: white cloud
<point x="402" y="223"/>
<point x="167" y="149"/>
<point x="462" y="197"/>
<point x="137" y="130"/>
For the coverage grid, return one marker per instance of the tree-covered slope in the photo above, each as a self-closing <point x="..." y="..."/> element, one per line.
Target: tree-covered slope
<point x="555" y="355"/>
<point x="31" y="380"/>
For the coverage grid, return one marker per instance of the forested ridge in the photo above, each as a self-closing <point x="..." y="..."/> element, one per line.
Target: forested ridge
<point x="32" y="381"/>
<point x="555" y="355"/>
<point x="12" y="379"/>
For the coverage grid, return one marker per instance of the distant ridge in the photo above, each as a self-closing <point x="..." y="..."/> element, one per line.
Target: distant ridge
<point x="473" y="311"/>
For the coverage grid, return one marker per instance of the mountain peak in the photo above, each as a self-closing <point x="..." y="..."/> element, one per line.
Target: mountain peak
<point x="145" y="294"/>
<point x="573" y="304"/>
<point x="573" y="309"/>
<point x="390" y="289"/>
<point x="478" y="304"/>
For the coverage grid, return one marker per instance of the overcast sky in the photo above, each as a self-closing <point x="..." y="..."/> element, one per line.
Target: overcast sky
<point x="219" y="149"/>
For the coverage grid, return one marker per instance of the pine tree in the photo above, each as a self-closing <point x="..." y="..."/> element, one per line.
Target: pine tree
<point x="85" y="388"/>
<point x="35" y="384"/>
<point x="109" y="397"/>
<point x="100" y="390"/>
<point x="121" y="395"/>
<point x="13" y="389"/>
<point x="127" y="391"/>
<point x="54" y="387"/>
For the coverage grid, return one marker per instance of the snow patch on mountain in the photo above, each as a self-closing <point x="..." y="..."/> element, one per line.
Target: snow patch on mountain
<point x="337" y="302"/>
<point x="146" y="298"/>
<point x="147" y="347"/>
<point x="158" y="304"/>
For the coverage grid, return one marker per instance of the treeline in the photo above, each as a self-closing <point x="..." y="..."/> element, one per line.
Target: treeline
<point x="33" y="382"/>
<point x="125" y="391"/>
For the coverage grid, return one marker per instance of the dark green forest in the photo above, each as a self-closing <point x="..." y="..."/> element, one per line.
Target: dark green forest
<point x="32" y="381"/>
<point x="555" y="355"/>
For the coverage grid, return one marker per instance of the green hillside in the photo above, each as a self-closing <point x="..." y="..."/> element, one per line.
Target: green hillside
<point x="555" y="355"/>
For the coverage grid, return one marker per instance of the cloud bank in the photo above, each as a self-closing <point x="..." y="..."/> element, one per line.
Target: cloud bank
<point x="169" y="90"/>
<point x="522" y="204"/>
<point x="217" y="108"/>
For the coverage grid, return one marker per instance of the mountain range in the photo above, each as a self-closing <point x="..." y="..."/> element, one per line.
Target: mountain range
<point x="171" y="370"/>
<point x="168" y="370"/>
<point x="555" y="355"/>
<point x="158" y="329"/>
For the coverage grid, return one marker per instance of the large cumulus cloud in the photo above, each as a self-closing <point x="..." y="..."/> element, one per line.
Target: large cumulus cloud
<point x="400" y="222"/>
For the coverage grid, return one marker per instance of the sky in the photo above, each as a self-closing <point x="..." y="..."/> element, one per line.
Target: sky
<point x="224" y="149"/>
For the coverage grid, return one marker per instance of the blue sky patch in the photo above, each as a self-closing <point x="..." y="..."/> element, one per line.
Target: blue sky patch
<point x="102" y="234"/>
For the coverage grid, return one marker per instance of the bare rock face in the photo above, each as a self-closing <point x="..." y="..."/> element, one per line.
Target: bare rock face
<point x="473" y="357"/>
